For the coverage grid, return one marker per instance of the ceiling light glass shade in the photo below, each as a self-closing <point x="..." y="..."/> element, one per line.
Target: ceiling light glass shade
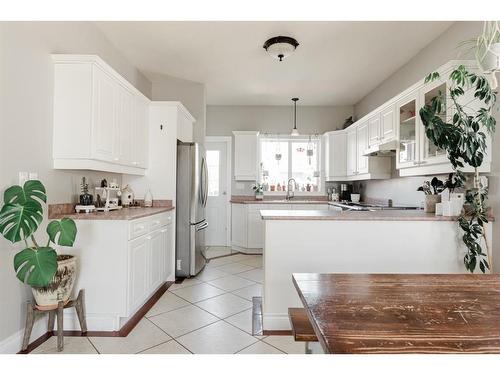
<point x="294" y="133"/>
<point x="280" y="47"/>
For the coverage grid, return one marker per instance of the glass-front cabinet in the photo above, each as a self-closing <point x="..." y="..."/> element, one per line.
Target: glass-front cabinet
<point x="430" y="153"/>
<point x="408" y="131"/>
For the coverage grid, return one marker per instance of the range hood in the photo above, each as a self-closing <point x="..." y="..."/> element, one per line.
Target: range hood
<point x="387" y="148"/>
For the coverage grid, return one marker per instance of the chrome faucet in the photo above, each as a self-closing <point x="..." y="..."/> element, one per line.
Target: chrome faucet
<point x="289" y="193"/>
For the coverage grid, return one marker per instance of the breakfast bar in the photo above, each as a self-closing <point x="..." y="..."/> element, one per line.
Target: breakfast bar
<point x="399" y="242"/>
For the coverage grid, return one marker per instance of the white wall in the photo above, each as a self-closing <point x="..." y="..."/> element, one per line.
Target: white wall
<point x="190" y="94"/>
<point x="26" y="76"/>
<point x="438" y="52"/>
<point x="222" y="120"/>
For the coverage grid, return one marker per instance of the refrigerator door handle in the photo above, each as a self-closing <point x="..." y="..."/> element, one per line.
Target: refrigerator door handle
<point x="206" y="184"/>
<point x="202" y="226"/>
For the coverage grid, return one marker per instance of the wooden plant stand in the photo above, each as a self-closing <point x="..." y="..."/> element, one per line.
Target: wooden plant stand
<point x="33" y="311"/>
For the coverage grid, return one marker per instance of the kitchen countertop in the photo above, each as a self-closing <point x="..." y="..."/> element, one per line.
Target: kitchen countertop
<point x="402" y="313"/>
<point x="123" y="214"/>
<point x="279" y="200"/>
<point x="390" y="215"/>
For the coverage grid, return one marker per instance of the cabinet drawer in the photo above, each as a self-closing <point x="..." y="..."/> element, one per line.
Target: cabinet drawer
<point x="148" y="224"/>
<point x="138" y="228"/>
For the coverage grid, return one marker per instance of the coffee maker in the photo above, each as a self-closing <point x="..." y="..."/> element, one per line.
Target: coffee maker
<point x="345" y="192"/>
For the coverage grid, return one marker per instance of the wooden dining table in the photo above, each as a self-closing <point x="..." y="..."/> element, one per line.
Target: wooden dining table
<point x="402" y="313"/>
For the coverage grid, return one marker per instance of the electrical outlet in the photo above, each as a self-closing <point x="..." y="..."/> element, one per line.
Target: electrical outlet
<point x="179" y="264"/>
<point x="23" y="177"/>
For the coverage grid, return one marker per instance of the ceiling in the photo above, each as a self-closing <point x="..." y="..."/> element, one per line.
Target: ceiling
<point x="336" y="63"/>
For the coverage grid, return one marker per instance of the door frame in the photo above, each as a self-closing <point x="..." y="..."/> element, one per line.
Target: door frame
<point x="228" y="140"/>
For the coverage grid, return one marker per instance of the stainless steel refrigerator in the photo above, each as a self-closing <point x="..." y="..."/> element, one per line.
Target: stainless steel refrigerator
<point x="192" y="194"/>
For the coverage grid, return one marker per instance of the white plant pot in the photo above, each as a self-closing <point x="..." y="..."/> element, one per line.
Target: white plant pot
<point x="61" y="286"/>
<point x="491" y="61"/>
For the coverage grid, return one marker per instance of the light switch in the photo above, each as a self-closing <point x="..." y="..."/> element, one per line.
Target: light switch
<point x="23" y="177"/>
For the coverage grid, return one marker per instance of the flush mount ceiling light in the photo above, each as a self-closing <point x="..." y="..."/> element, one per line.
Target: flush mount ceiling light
<point x="280" y="47"/>
<point x="294" y="132"/>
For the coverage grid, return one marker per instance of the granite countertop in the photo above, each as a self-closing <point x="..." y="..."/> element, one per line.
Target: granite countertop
<point x="382" y="215"/>
<point x="243" y="199"/>
<point x="123" y="214"/>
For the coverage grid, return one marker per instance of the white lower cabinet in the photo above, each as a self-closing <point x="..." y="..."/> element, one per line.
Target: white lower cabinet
<point x="121" y="264"/>
<point x="150" y="260"/>
<point x="247" y="227"/>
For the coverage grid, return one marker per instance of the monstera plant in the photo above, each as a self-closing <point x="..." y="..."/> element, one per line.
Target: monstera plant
<point x="20" y="217"/>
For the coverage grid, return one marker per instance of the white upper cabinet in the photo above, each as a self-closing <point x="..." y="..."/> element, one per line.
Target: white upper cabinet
<point x="100" y="119"/>
<point x="246" y="153"/>
<point x="387" y="124"/>
<point x="352" y="152"/>
<point x="374" y="130"/>
<point x="362" y="145"/>
<point x="407" y="152"/>
<point x="185" y="123"/>
<point x="335" y="155"/>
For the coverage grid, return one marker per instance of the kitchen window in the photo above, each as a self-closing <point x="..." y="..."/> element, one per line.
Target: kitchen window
<point x="284" y="158"/>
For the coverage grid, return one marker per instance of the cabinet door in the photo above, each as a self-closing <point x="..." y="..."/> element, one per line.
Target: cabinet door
<point x="374" y="130"/>
<point x="255" y="230"/>
<point x="387" y="124"/>
<point x="336" y="156"/>
<point x="103" y="129"/>
<point x="352" y="152"/>
<point x="362" y="145"/>
<point x="139" y="280"/>
<point x="169" y="253"/>
<point x="125" y="124"/>
<point x="140" y="134"/>
<point x="239" y="225"/>
<point x="245" y="156"/>
<point x="158" y="247"/>
<point x="407" y="150"/>
<point x="430" y="153"/>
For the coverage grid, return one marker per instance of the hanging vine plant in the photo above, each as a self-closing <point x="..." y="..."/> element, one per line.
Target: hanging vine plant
<point x="464" y="140"/>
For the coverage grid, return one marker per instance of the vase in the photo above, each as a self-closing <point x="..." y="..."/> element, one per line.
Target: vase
<point x="430" y="202"/>
<point x="60" y="287"/>
<point x="259" y="196"/>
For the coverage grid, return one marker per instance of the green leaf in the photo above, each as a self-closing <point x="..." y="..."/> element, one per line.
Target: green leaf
<point x="19" y="221"/>
<point x="32" y="189"/>
<point x="36" y="267"/>
<point x="62" y="232"/>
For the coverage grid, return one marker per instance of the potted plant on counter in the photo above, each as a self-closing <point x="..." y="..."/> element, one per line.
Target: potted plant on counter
<point x="50" y="275"/>
<point x="463" y="137"/>
<point x="259" y="191"/>
<point x="432" y="190"/>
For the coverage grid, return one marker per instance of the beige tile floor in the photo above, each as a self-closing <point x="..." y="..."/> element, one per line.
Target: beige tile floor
<point x="211" y="313"/>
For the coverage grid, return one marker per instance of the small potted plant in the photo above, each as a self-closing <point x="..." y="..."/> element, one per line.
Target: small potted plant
<point x="50" y="275"/>
<point x="259" y="191"/>
<point x="86" y="199"/>
<point x="432" y="190"/>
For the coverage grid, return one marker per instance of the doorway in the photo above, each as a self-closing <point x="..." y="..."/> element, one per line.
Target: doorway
<point x="218" y="209"/>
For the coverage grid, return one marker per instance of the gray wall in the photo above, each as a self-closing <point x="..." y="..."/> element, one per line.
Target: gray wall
<point x="191" y="94"/>
<point x="26" y="76"/>
<point x="438" y="52"/>
<point x="222" y="120"/>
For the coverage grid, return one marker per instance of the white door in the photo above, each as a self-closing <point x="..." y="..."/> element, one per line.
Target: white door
<point x="217" y="210"/>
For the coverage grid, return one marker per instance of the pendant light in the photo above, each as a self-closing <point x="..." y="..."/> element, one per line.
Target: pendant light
<point x="295" y="132"/>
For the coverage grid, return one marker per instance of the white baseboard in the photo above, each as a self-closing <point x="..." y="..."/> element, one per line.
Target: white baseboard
<point x="278" y="322"/>
<point x="13" y="343"/>
<point x="245" y="250"/>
